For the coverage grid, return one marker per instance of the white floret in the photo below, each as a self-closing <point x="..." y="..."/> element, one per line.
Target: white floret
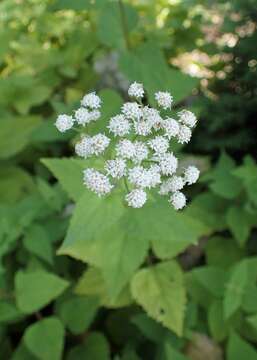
<point x="119" y="125"/>
<point x="64" y="122"/>
<point x="131" y="110"/>
<point x="125" y="149"/>
<point x="164" y="99"/>
<point x="159" y="144"/>
<point x="191" y="175"/>
<point x="175" y="183"/>
<point x="82" y="116"/>
<point x="91" y="100"/>
<point x="136" y="198"/>
<point x="136" y="90"/>
<point x="99" y="143"/>
<point x="94" y="115"/>
<point x="187" y="118"/>
<point x="142" y="127"/>
<point x="178" y="200"/>
<point x="154" y="175"/>
<point x="97" y="182"/>
<point x="138" y="177"/>
<point x="168" y="163"/>
<point x="84" y="147"/>
<point x="171" y="127"/>
<point x="116" y="168"/>
<point x="184" y="134"/>
<point x="141" y="152"/>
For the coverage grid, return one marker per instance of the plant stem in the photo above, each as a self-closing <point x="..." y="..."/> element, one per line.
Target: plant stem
<point x="126" y="184"/>
<point x="124" y="24"/>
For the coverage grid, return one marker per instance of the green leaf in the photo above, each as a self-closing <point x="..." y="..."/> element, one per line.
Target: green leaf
<point x="35" y="290"/>
<point x="149" y="328"/>
<point x="92" y="283"/>
<point x="239" y="223"/>
<point x="9" y="312"/>
<point x="217" y="324"/>
<point x="78" y="312"/>
<point x="252" y="320"/>
<point x="142" y="63"/>
<point x="111" y="14"/>
<point x="160" y="291"/>
<point x="69" y="173"/>
<point x="95" y="347"/>
<point x="77" y="5"/>
<point x="247" y="173"/>
<point x="235" y="288"/>
<point x="45" y="339"/>
<point x="37" y="241"/>
<point x="173" y="354"/>
<point x="15" y="134"/>
<point x="239" y="349"/>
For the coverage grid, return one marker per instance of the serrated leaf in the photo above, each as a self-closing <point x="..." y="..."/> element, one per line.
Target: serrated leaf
<point x="238" y="349"/>
<point x="235" y="288"/>
<point x="45" y="339"/>
<point x="78" y="312"/>
<point x="35" y="290"/>
<point x="160" y="291"/>
<point x="217" y="324"/>
<point x="239" y="223"/>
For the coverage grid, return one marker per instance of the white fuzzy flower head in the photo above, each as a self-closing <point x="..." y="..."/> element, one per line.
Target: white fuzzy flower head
<point x="91" y="100"/>
<point x="64" y="122"/>
<point x="119" y="125"/>
<point x="116" y="168"/>
<point x="154" y="176"/>
<point x="173" y="184"/>
<point x="131" y="110"/>
<point x="138" y="176"/>
<point x="178" y="200"/>
<point x="184" y="134"/>
<point x="136" y="198"/>
<point x="168" y="163"/>
<point x="191" y="175"/>
<point x="187" y="118"/>
<point x="99" y="143"/>
<point x="94" y="115"/>
<point x="125" y="149"/>
<point x="171" y="127"/>
<point x="97" y="182"/>
<point x="142" y="127"/>
<point x="141" y="152"/>
<point x="136" y="90"/>
<point x="84" y="147"/>
<point x="164" y="99"/>
<point x="82" y="116"/>
<point x="159" y="144"/>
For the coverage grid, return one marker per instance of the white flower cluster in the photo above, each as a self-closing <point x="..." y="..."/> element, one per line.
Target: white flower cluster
<point x="141" y="155"/>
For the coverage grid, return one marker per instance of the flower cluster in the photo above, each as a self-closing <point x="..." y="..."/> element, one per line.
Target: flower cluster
<point x="141" y="156"/>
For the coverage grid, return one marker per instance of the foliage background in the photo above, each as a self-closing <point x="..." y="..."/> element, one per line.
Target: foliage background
<point x="138" y="291"/>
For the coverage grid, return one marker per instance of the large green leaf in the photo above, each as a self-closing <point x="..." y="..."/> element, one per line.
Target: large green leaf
<point x="37" y="289"/>
<point x="160" y="291"/>
<point x="247" y="173"/>
<point x="147" y="64"/>
<point x="239" y="349"/>
<point x="217" y="324"/>
<point x="45" y="339"/>
<point x="15" y="134"/>
<point x="239" y="222"/>
<point x="71" y="5"/>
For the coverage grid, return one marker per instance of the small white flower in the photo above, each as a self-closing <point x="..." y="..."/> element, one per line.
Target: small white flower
<point x="164" y="99"/>
<point x="178" y="200"/>
<point x="153" y="117"/>
<point x="99" y="143"/>
<point x="168" y="163"/>
<point x="159" y="144"/>
<point x="125" y="149"/>
<point x="136" y="90"/>
<point x="91" y="100"/>
<point x="82" y="116"/>
<point x="173" y="184"/>
<point x="187" y="118"/>
<point x="141" y="152"/>
<point x="171" y="127"/>
<point x="94" y="115"/>
<point x="184" y="134"/>
<point x="142" y="128"/>
<point x="154" y="175"/>
<point x="116" y="168"/>
<point x="131" y="110"/>
<point x="136" y="198"/>
<point x="84" y="147"/>
<point x="119" y="125"/>
<point x="97" y="182"/>
<point x="138" y="177"/>
<point x="64" y="122"/>
<point x="191" y="175"/>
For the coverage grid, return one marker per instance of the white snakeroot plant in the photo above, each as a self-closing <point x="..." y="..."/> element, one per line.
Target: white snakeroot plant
<point x="140" y="155"/>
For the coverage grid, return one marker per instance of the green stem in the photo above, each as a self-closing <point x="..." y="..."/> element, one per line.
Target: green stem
<point x="126" y="184"/>
<point x="124" y="24"/>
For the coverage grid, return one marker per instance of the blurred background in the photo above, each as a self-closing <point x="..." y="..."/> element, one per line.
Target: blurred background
<point x="52" y="52"/>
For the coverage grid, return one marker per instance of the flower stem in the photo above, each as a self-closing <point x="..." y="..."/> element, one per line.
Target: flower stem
<point x="124" y="24"/>
<point x="126" y="184"/>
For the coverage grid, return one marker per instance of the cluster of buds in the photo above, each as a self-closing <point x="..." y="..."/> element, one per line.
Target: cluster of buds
<point x="142" y="157"/>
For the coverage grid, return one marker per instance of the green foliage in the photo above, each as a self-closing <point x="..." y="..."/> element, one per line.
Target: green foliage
<point x="87" y="278"/>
